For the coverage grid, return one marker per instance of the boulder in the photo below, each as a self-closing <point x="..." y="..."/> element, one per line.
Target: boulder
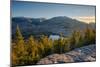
<point x="82" y="54"/>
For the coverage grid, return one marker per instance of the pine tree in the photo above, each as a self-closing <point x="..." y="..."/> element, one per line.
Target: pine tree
<point x="19" y="41"/>
<point x="14" y="58"/>
<point x="76" y="40"/>
<point x="66" y="46"/>
<point x="59" y="46"/>
<point x="20" y="46"/>
<point x="89" y="36"/>
<point x="30" y="44"/>
<point x="47" y="45"/>
<point x="72" y="40"/>
<point x="32" y="49"/>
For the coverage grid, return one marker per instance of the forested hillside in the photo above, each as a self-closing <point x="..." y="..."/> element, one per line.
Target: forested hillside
<point x="31" y="50"/>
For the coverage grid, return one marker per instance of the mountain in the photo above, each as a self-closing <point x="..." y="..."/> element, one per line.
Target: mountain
<point x="63" y="25"/>
<point x="40" y="26"/>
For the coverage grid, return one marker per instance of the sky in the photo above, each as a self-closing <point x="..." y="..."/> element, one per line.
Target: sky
<point x="84" y="13"/>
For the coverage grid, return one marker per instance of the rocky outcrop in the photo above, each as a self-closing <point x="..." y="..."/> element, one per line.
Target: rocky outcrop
<point x="83" y="54"/>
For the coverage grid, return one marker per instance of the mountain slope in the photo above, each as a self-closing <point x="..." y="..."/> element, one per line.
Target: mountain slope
<point x="55" y="25"/>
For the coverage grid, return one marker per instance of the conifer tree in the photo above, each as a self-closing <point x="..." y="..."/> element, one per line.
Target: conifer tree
<point x="47" y="45"/>
<point x="20" y="46"/>
<point x="72" y="40"/>
<point x="66" y="46"/>
<point x="76" y="40"/>
<point x="14" y="58"/>
<point x="19" y="41"/>
<point x="31" y="44"/>
<point x="32" y="49"/>
<point x="89" y="36"/>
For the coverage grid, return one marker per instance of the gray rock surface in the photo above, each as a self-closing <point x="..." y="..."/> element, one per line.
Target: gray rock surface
<point x="83" y="54"/>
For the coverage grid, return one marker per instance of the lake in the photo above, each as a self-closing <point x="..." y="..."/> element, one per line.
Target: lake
<point x="54" y="37"/>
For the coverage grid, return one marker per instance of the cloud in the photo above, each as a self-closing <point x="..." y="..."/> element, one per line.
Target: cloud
<point x="87" y="19"/>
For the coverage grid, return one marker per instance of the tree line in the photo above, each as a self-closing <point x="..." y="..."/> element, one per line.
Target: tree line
<point x="30" y="51"/>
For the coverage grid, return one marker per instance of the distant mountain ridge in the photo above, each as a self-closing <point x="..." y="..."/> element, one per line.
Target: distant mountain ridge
<point x="55" y="25"/>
